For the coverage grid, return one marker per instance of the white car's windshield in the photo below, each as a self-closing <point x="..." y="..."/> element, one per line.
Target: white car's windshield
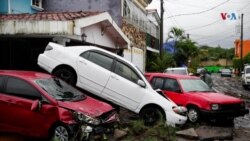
<point x="194" y="85"/>
<point x="60" y="90"/>
<point x="248" y="70"/>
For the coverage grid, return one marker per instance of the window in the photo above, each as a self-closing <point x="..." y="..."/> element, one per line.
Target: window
<point x="126" y="9"/>
<point x="247" y="70"/>
<point x="1" y="83"/>
<point x="157" y="83"/>
<point x="85" y="55"/>
<point x="21" y="88"/>
<point x="171" y="85"/>
<point x="99" y="59"/>
<point x="126" y="72"/>
<point x="37" y="4"/>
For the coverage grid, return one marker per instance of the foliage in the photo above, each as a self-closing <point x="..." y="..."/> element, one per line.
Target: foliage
<point x="55" y="139"/>
<point x="157" y="64"/>
<point x="236" y="63"/>
<point x="176" y="34"/>
<point x="247" y="59"/>
<point x="215" y="53"/>
<point x="159" y="132"/>
<point x="185" y="50"/>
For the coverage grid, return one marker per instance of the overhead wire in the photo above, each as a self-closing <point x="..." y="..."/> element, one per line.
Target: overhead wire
<point x="195" y="13"/>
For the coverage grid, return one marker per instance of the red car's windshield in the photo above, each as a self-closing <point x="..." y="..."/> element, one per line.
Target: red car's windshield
<point x="60" y="90"/>
<point x="194" y="85"/>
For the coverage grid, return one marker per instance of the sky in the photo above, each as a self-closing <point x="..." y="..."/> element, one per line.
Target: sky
<point x="202" y="20"/>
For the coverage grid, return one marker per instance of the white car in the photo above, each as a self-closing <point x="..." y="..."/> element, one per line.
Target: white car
<point x="110" y="77"/>
<point x="246" y="77"/>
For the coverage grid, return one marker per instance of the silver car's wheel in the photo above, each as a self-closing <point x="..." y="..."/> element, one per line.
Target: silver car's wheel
<point x="193" y="114"/>
<point x="61" y="133"/>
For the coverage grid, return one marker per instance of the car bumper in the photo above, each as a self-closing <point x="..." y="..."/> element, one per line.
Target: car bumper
<point x="230" y="75"/>
<point x="247" y="82"/>
<point x="174" y="119"/>
<point x="223" y="114"/>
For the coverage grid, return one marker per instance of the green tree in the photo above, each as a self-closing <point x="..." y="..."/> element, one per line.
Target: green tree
<point x="185" y="50"/>
<point x="246" y="59"/>
<point x="157" y="64"/>
<point x="176" y="34"/>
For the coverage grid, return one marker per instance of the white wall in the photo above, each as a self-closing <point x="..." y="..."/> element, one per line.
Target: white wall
<point x="137" y="57"/>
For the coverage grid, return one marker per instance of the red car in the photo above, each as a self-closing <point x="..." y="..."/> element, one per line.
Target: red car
<point x="40" y="105"/>
<point x="197" y="97"/>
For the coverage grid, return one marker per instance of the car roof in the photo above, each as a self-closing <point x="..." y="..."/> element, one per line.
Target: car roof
<point x="25" y="74"/>
<point x="174" y="76"/>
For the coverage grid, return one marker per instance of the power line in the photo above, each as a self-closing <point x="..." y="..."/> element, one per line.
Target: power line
<point x="195" y="28"/>
<point x="195" y="13"/>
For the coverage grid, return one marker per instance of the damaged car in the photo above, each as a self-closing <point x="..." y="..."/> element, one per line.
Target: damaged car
<point x="112" y="78"/>
<point x="200" y="100"/>
<point x="40" y="105"/>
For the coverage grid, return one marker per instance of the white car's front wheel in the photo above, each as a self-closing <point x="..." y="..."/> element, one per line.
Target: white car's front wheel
<point x="151" y="116"/>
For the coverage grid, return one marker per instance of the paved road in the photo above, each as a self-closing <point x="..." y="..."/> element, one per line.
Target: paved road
<point x="232" y="86"/>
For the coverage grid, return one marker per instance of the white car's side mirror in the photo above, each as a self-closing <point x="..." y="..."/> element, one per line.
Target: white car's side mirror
<point x="141" y="83"/>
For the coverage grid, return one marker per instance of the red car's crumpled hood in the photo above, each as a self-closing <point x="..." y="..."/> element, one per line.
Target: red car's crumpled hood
<point x="215" y="97"/>
<point x="88" y="106"/>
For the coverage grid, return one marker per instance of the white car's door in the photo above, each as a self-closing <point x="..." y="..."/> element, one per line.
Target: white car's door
<point x="94" y="71"/>
<point x="122" y="87"/>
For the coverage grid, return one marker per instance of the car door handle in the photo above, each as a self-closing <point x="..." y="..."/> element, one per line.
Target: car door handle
<point x="114" y="77"/>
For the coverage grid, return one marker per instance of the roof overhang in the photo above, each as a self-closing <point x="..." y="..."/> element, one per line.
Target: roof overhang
<point x="100" y="24"/>
<point x="152" y="50"/>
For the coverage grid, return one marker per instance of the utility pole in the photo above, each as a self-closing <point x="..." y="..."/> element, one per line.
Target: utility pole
<point x="241" y="45"/>
<point x="161" y="29"/>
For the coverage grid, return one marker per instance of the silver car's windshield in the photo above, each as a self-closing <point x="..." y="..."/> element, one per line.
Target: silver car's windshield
<point x="60" y="90"/>
<point x="194" y="85"/>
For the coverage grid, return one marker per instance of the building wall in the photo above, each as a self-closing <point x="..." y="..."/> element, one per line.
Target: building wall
<point x="111" y="6"/>
<point x="246" y="48"/>
<point x="221" y="62"/>
<point x="16" y="6"/>
<point x="3" y="6"/>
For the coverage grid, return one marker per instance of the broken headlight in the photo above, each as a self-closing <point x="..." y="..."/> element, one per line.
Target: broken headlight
<point x="86" y="119"/>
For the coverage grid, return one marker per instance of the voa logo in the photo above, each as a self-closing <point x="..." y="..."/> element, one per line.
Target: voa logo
<point x="229" y="16"/>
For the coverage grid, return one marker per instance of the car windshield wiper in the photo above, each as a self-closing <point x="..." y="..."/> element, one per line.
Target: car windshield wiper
<point x="194" y="91"/>
<point x="78" y="97"/>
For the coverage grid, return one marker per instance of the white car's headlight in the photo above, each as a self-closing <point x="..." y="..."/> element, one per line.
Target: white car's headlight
<point x="215" y="106"/>
<point x="87" y="119"/>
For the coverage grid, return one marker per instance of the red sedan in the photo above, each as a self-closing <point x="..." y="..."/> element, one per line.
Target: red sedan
<point x="197" y="97"/>
<point x="40" y="105"/>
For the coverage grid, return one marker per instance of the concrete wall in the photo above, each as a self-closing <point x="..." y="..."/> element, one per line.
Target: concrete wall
<point x="16" y="6"/>
<point x="3" y="6"/>
<point x="111" y="6"/>
<point x="221" y="62"/>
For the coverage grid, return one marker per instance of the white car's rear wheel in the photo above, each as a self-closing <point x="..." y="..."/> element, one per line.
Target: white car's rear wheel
<point x="66" y="74"/>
